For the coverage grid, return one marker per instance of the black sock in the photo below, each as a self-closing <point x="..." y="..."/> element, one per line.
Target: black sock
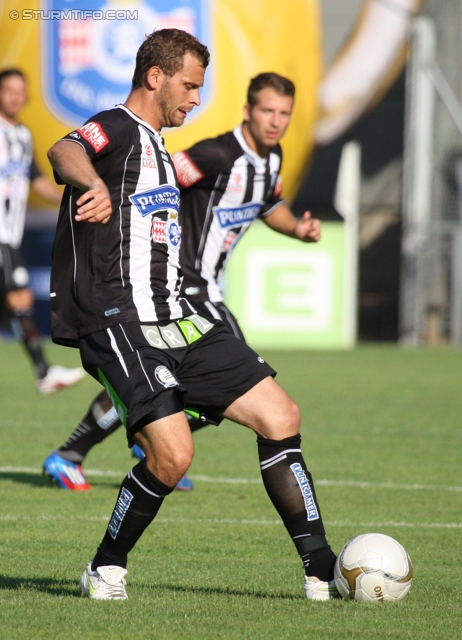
<point x="100" y="421"/>
<point x="23" y="325"/>
<point x="140" y="498"/>
<point x="290" y="487"/>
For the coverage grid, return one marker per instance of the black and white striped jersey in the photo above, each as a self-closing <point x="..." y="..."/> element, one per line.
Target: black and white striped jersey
<point x="128" y="269"/>
<point x="224" y="187"/>
<point x="16" y="159"/>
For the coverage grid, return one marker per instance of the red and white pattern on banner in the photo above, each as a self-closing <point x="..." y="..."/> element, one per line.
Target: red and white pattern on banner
<point x="75" y="45"/>
<point x="94" y="134"/>
<point x="183" y="19"/>
<point x="188" y="173"/>
<point x="158" y="230"/>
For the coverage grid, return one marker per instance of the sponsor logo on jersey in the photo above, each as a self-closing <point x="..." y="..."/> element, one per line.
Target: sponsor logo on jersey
<point x="112" y="312"/>
<point x="188" y="173"/>
<point x="303" y="483"/>
<point x="148" y="158"/>
<point x="192" y="291"/>
<point x="148" y="162"/>
<point x="165" y="377"/>
<point x="94" y="134"/>
<point x="155" y="200"/>
<point x="75" y="135"/>
<point x="120" y="510"/>
<point x="237" y="216"/>
<point x="16" y="168"/>
<point x="236" y="183"/>
<point x="88" y="58"/>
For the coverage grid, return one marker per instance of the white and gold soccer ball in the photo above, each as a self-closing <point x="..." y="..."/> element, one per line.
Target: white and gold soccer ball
<point x="373" y="567"/>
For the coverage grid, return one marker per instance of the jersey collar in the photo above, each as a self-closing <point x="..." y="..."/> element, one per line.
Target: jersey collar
<point x="156" y="135"/>
<point x="253" y="157"/>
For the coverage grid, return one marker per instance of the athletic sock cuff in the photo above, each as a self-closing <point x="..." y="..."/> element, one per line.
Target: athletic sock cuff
<point x="149" y="482"/>
<point x="292" y="441"/>
<point x="25" y="312"/>
<point x="309" y="543"/>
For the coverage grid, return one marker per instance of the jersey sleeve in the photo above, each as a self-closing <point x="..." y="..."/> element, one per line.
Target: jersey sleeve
<point x="99" y="136"/>
<point x="274" y="200"/>
<point x="205" y="159"/>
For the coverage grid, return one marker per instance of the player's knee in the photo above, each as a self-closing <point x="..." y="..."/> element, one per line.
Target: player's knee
<point x="290" y="420"/>
<point x="281" y="423"/>
<point x="169" y="466"/>
<point x="181" y="460"/>
<point x="19" y="299"/>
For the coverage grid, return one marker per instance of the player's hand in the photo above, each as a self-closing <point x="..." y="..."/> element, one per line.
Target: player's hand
<point x="94" y="205"/>
<point x="308" y="229"/>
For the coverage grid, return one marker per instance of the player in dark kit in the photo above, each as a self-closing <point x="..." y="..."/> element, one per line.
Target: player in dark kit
<point x="226" y="183"/>
<point x="116" y="295"/>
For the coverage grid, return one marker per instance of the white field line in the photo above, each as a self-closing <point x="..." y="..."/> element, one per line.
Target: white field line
<point x="370" y="526"/>
<point x="223" y="480"/>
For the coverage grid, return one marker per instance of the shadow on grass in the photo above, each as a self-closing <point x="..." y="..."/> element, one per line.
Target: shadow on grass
<point x="33" y="479"/>
<point x="38" y="480"/>
<point x="225" y="592"/>
<point x="68" y="588"/>
<point x="42" y="585"/>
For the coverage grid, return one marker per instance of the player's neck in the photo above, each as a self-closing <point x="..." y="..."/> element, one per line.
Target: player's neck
<point x="9" y="119"/>
<point x="142" y="108"/>
<point x="262" y="150"/>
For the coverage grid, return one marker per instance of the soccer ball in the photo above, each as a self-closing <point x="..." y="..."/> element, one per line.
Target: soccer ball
<point x="373" y="567"/>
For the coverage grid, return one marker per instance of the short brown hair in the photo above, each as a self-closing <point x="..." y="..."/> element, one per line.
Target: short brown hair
<point x="166" y="49"/>
<point x="281" y="85"/>
<point x="10" y="73"/>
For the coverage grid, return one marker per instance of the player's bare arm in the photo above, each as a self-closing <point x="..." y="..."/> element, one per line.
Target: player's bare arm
<point x="47" y="190"/>
<point x="306" y="229"/>
<point x="73" y="165"/>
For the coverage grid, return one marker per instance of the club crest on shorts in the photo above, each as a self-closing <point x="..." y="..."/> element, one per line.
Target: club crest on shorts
<point x="165" y="377"/>
<point x="89" y="50"/>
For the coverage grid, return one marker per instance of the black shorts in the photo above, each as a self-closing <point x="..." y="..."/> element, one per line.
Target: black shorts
<point x="152" y="370"/>
<point x="217" y="311"/>
<point x="13" y="273"/>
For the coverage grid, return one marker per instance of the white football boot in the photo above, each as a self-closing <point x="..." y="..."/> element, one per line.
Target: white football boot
<point x="59" y="378"/>
<point x="316" y="589"/>
<point x="106" y="583"/>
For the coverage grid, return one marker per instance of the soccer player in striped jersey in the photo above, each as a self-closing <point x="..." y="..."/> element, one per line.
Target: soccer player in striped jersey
<point x="116" y="295"/>
<point x="18" y="171"/>
<point x="225" y="183"/>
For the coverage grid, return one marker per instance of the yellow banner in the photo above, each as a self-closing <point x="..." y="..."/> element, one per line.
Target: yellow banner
<point x="244" y="37"/>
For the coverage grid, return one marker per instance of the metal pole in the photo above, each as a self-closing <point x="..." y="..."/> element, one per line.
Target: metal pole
<point x="417" y="180"/>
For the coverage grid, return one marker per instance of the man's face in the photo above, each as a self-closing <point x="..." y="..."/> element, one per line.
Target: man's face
<point x="268" y="120"/>
<point x="13" y="96"/>
<point x="180" y="94"/>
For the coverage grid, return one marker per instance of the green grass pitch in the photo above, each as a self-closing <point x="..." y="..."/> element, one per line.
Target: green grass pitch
<point x="382" y="436"/>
